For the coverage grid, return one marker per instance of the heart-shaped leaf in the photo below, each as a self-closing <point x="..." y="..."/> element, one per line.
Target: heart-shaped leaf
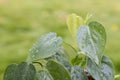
<point x="78" y="73"/>
<point x="57" y="71"/>
<point x="25" y="71"/>
<point x="43" y="75"/>
<point x="103" y="72"/>
<point x="91" y="40"/>
<point x="73" y="22"/>
<point x="45" y="47"/>
<point x="10" y="72"/>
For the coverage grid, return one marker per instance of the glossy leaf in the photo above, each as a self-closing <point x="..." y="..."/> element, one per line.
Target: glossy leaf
<point x="10" y="72"/>
<point x="73" y="22"/>
<point x="103" y="72"/>
<point x="91" y="40"/>
<point x="43" y="75"/>
<point x="25" y="71"/>
<point x="77" y="73"/>
<point x="46" y="46"/>
<point x="57" y="71"/>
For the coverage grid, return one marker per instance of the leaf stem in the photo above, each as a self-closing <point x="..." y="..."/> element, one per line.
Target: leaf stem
<point x="38" y="63"/>
<point x="70" y="46"/>
<point x="87" y="18"/>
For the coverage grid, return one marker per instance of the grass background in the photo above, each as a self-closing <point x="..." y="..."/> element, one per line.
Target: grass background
<point x="24" y="21"/>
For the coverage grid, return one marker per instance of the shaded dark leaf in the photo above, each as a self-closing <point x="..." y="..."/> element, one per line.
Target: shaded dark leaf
<point x="10" y="72"/>
<point x="25" y="71"/>
<point x="57" y="71"/>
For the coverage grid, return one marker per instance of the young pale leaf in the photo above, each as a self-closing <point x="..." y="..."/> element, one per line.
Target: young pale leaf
<point x="78" y="73"/>
<point x="43" y="75"/>
<point x="46" y="46"/>
<point x="25" y="71"/>
<point x="10" y="72"/>
<point x="103" y="72"/>
<point x="91" y="40"/>
<point x="57" y="71"/>
<point x="73" y="22"/>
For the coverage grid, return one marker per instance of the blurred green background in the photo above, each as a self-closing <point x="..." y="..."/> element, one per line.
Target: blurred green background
<point x="24" y="21"/>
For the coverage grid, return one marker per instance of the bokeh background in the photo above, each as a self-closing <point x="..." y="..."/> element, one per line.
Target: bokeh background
<point x="24" y="21"/>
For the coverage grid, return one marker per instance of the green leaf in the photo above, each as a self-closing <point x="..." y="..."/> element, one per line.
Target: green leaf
<point x="43" y="75"/>
<point x="46" y="46"/>
<point x="57" y="71"/>
<point x="69" y="50"/>
<point x="103" y="72"/>
<point x="25" y="71"/>
<point x="77" y="73"/>
<point x="107" y="69"/>
<point x="10" y="72"/>
<point x="91" y="40"/>
<point x="59" y="57"/>
<point x="73" y="22"/>
<point x="79" y="59"/>
<point x="94" y="70"/>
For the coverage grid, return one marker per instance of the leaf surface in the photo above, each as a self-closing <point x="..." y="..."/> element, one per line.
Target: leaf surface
<point x="46" y="46"/>
<point x="104" y="72"/>
<point x="59" y="57"/>
<point x="57" y="71"/>
<point x="43" y="75"/>
<point x="91" y="40"/>
<point x="77" y="73"/>
<point x="10" y="72"/>
<point x="25" y="71"/>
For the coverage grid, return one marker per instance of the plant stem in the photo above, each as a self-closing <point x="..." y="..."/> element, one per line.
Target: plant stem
<point x="38" y="63"/>
<point x="71" y="46"/>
